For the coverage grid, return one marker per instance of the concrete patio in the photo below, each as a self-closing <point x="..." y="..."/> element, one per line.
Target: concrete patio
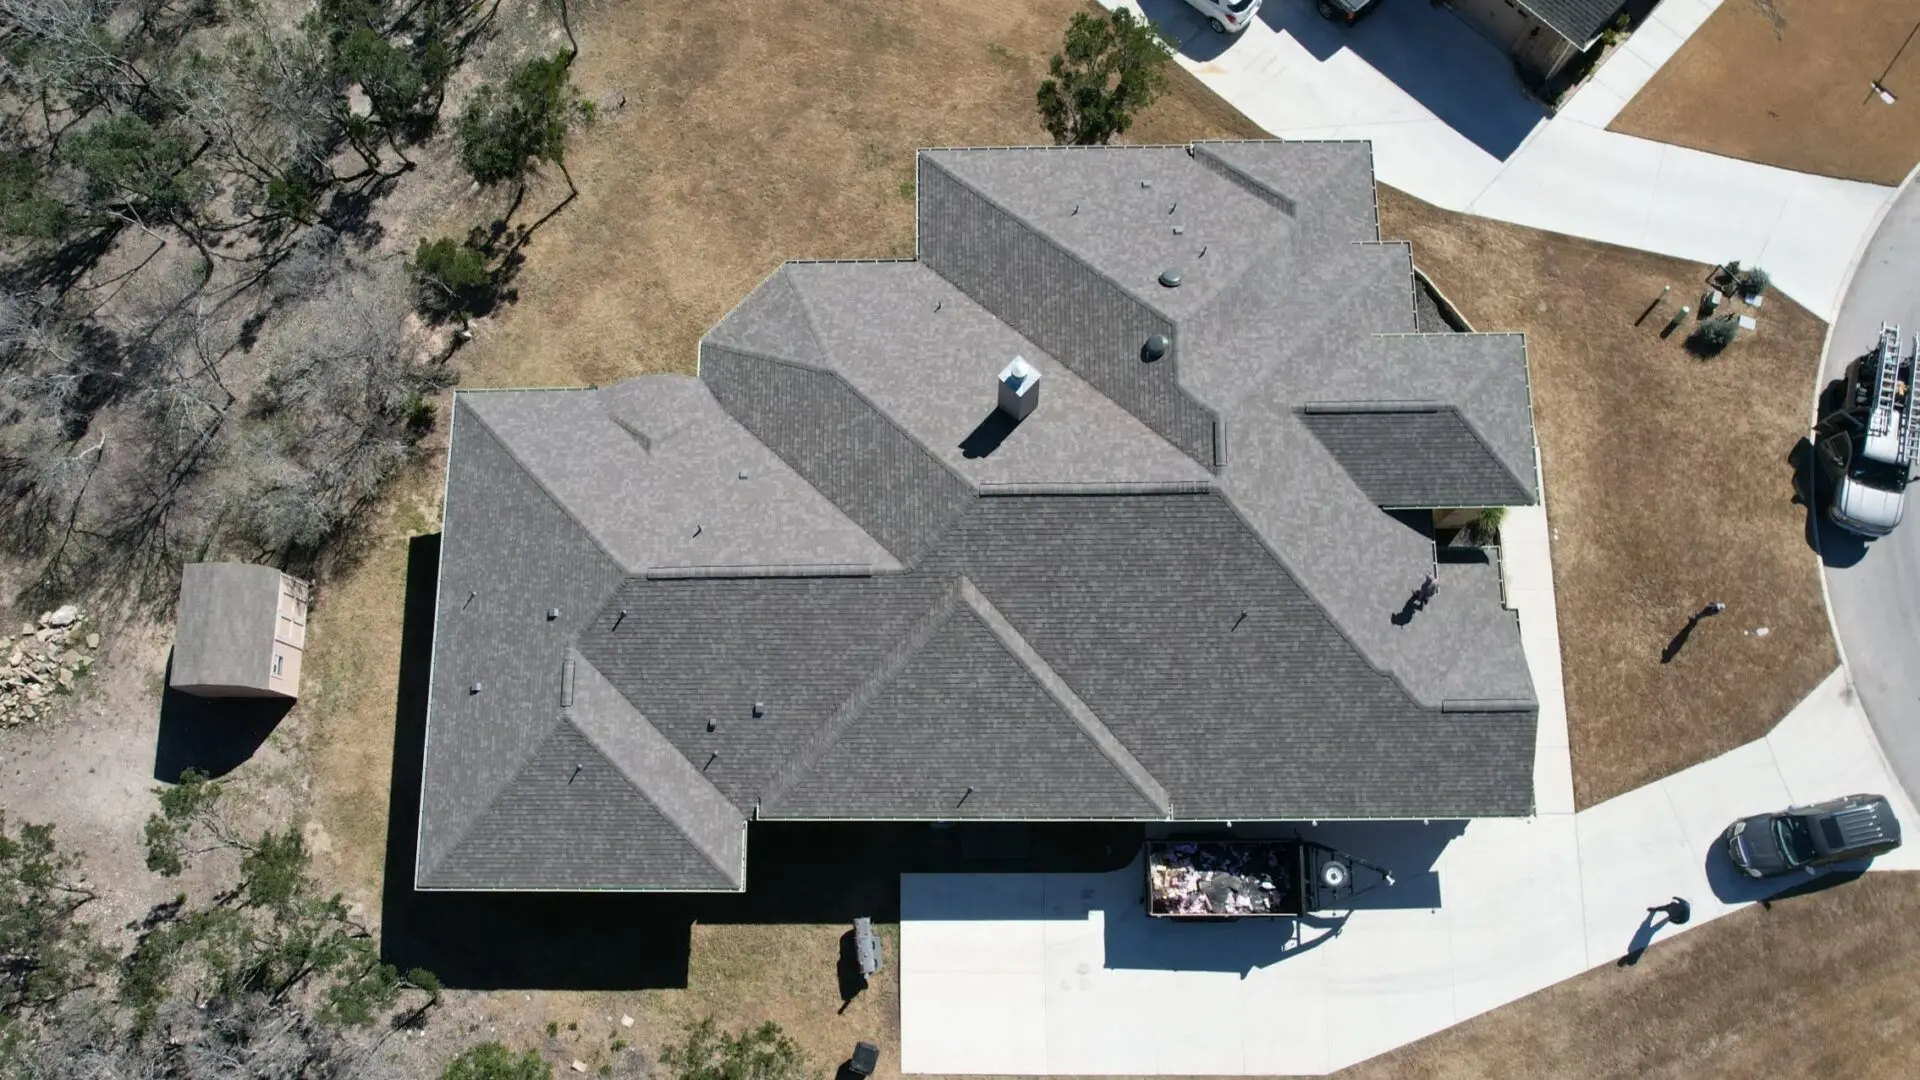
<point x="1451" y="124"/>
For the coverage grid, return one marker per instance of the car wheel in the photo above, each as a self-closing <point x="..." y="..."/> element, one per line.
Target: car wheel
<point x="1327" y="11"/>
<point x="1218" y="26"/>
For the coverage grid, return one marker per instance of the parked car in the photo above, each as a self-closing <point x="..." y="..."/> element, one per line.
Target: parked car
<point x="1227" y="16"/>
<point x="1807" y="837"/>
<point x="1346" y="11"/>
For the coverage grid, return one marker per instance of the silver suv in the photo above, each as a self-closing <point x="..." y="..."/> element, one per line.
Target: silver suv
<point x="1808" y="837"/>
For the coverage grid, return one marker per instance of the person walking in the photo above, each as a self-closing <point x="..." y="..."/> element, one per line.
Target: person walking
<point x="1677" y="911"/>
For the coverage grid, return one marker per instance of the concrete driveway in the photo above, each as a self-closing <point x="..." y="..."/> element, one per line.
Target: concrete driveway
<point x="1451" y="124"/>
<point x="1874" y="588"/>
<point x="1067" y="974"/>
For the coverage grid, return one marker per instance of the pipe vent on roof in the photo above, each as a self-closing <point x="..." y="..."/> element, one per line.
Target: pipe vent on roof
<point x="1170" y="277"/>
<point x="553" y="613"/>
<point x="476" y="688"/>
<point x="1155" y="348"/>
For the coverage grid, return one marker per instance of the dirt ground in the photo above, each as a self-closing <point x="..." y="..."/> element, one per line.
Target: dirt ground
<point x="1789" y="83"/>
<point x="1814" y="985"/>
<point x="1668" y="486"/>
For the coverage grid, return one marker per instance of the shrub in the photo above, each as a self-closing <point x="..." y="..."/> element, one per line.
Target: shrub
<point x="1111" y="66"/>
<point x="1754" y="283"/>
<point x="452" y="277"/>
<point x="1713" y="336"/>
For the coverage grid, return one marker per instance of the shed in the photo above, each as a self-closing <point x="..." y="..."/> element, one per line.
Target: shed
<point x="240" y="632"/>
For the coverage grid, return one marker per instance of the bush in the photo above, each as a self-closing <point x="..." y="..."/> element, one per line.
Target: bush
<point x="1713" y="336"/>
<point x="1754" y="283"/>
<point x="452" y="277"/>
<point x="491" y="1061"/>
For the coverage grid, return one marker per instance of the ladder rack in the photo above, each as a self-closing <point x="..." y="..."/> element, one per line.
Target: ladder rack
<point x="1886" y="389"/>
<point x="1909" y="434"/>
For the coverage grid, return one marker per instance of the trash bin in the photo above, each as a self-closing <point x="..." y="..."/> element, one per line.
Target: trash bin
<point x="866" y="947"/>
<point x="865" y="1059"/>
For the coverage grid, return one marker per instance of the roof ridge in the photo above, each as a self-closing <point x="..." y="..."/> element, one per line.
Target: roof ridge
<point x="1063" y="695"/>
<point x="850" y="710"/>
<point x="670" y="753"/>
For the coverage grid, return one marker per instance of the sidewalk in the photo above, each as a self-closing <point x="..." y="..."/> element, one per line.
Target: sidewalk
<point x="1450" y="124"/>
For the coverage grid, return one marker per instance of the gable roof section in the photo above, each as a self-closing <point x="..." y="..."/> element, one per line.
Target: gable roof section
<point x="509" y="554"/>
<point x="963" y="726"/>
<point x="651" y="470"/>
<point x="223" y="635"/>
<point x="571" y="820"/>
<point x="1414" y="456"/>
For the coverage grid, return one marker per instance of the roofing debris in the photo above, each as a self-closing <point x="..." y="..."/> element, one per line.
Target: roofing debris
<point x="1220" y="879"/>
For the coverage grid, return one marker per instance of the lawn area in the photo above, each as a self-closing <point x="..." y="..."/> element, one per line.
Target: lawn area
<point x="718" y="154"/>
<point x="1814" y="985"/>
<point x="1788" y="83"/>
<point x="1668" y="486"/>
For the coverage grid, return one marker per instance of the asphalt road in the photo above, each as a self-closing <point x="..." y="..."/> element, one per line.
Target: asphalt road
<point x="1875" y="586"/>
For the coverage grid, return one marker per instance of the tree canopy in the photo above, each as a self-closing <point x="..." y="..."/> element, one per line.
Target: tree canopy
<point x="1111" y="67"/>
<point x="505" y="133"/>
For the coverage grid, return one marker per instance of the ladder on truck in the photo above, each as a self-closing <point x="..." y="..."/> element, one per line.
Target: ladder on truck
<point x="1909" y="435"/>
<point x="1886" y="387"/>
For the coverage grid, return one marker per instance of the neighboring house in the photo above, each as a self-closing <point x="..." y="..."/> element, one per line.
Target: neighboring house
<point x="833" y="578"/>
<point x="240" y="633"/>
<point x="1543" y="35"/>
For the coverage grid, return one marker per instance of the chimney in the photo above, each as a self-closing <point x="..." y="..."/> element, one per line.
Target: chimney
<point x="1019" y="388"/>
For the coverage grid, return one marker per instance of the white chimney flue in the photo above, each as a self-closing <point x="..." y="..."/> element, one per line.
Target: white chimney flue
<point x="1019" y="388"/>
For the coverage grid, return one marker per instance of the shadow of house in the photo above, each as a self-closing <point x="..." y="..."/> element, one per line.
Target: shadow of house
<point x="213" y="735"/>
<point x="1433" y="56"/>
<point x="803" y="872"/>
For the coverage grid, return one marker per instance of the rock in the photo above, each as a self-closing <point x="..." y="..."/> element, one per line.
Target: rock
<point x="578" y="1066"/>
<point x="65" y="678"/>
<point x="93" y="641"/>
<point x="626" y="1021"/>
<point x="43" y="633"/>
<point x="64" y="615"/>
<point x="26" y="628"/>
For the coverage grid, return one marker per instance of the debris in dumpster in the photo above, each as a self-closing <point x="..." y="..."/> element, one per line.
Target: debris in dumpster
<point x="1220" y="879"/>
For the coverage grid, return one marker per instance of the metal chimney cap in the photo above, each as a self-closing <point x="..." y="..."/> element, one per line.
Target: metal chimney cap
<point x="1170" y="277"/>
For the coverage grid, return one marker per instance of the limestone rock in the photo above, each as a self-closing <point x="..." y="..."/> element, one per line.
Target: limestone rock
<point x="64" y="615"/>
<point x="93" y="641"/>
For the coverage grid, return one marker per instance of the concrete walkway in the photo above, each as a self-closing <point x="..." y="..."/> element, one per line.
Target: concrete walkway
<point x="1450" y="124"/>
<point x="1066" y="974"/>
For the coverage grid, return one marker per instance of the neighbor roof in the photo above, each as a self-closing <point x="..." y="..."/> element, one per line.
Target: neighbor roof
<point x="827" y="580"/>
<point x="223" y="636"/>
<point x="1579" y="21"/>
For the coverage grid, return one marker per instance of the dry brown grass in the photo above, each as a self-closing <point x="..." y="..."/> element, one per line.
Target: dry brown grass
<point x="1668" y="485"/>
<point x="1817" y="985"/>
<point x="1787" y="82"/>
<point x="785" y="130"/>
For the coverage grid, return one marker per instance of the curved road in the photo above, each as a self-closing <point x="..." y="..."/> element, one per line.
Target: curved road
<point x="1875" y="588"/>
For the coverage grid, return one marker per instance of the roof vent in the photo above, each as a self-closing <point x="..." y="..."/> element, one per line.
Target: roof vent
<point x="712" y="723"/>
<point x="1155" y="348"/>
<point x="759" y="709"/>
<point x="1146" y="185"/>
<point x="553" y="613"/>
<point x="1170" y="277"/>
<point x="1019" y="388"/>
<point x="476" y="688"/>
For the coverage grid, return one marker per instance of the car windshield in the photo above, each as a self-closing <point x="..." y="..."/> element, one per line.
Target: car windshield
<point x="1796" y="842"/>
<point x="1879" y="474"/>
<point x="1239" y="5"/>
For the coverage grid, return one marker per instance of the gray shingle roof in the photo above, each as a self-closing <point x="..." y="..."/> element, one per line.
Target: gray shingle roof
<point x="223" y="634"/>
<point x="1579" y="21"/>
<point x="1168" y="593"/>
<point x="1416" y="456"/>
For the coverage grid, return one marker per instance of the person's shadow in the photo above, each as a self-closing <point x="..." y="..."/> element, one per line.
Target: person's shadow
<point x="1643" y="937"/>
<point x="1679" y="641"/>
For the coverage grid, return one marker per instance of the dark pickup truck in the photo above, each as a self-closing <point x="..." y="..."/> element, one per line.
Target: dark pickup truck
<point x="1206" y="878"/>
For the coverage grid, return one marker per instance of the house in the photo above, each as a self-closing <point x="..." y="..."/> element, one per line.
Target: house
<point x="837" y="576"/>
<point x="240" y="632"/>
<point x="1543" y="35"/>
